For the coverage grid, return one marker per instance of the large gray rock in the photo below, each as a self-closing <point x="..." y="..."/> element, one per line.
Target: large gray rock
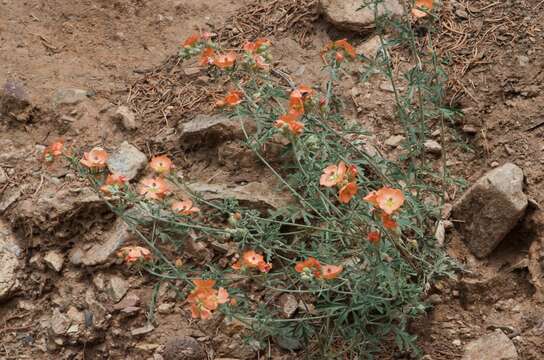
<point x="101" y="252"/>
<point x="9" y="263"/>
<point x="491" y="208"/>
<point x="493" y="346"/>
<point x="210" y="130"/>
<point x="344" y="14"/>
<point x="127" y="161"/>
<point x="254" y="195"/>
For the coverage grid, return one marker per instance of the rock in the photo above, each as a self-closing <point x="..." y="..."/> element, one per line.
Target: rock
<point x="183" y="348"/>
<point x="491" y="208"/>
<point x="117" y="288"/>
<point x="523" y="60"/>
<point x="9" y="197"/>
<point x="463" y="14"/>
<point x="345" y="15"/>
<point x="211" y="130"/>
<point x="70" y="96"/>
<point x="493" y="346"/>
<point x="395" y="141"/>
<point x="440" y="233"/>
<point x="435" y="299"/>
<point x="255" y="194"/>
<point x="369" y="48"/>
<point x="101" y="251"/>
<point x="54" y="260"/>
<point x="288" y="305"/>
<point x="469" y="129"/>
<point x="59" y="323"/>
<point x="127" y="160"/>
<point x="457" y="342"/>
<point x="165" y="308"/>
<point x="58" y="208"/>
<point x="387" y="86"/>
<point x="3" y="176"/>
<point x="147" y="328"/>
<point x="126" y="117"/>
<point x="130" y="301"/>
<point x="9" y="262"/>
<point x="432" y="147"/>
<point x="495" y="164"/>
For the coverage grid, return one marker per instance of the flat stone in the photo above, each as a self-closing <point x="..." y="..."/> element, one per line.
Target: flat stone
<point x="70" y="96"/>
<point x="127" y="161"/>
<point x="369" y="48"/>
<point x="117" y="288"/>
<point x="126" y="117"/>
<point x="288" y="305"/>
<point x="209" y="130"/>
<point x="9" y="262"/>
<point x="142" y="330"/>
<point x="493" y="346"/>
<point x="345" y="14"/>
<point x="255" y="194"/>
<point x="432" y="147"/>
<point x="395" y="140"/>
<point x="183" y="347"/>
<point x="101" y="251"/>
<point x="59" y="323"/>
<point x="54" y="260"/>
<point x="9" y="197"/>
<point x="490" y="208"/>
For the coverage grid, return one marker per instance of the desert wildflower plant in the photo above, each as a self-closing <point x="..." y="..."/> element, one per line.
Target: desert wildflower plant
<point x="355" y="246"/>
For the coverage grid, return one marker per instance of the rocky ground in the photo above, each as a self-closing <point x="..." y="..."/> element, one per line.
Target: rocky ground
<point x="102" y="73"/>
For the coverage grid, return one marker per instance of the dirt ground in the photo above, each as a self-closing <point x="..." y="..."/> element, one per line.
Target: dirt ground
<point x="120" y="52"/>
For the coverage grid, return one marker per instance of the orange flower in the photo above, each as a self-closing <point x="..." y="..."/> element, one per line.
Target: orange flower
<point x="338" y="57"/>
<point x="346" y="46"/>
<point x="113" y="183"/>
<point x="53" y="151"/>
<point x="296" y="106"/>
<point x="95" y="159"/>
<point x="224" y="61"/>
<point x="329" y="272"/>
<point x="289" y="122"/>
<point x="352" y="172"/>
<point x="161" y="164"/>
<point x="132" y="254"/>
<point x="347" y="192"/>
<point x="389" y="199"/>
<point x="191" y="41"/>
<point x="206" y="58"/>
<point x="333" y="175"/>
<point x="371" y="198"/>
<point x="252" y="260"/>
<point x="388" y="221"/>
<point x="233" y="98"/>
<point x="257" y="46"/>
<point x="153" y="188"/>
<point x="374" y="237"/>
<point x="204" y="299"/>
<point x="311" y="265"/>
<point x="260" y="62"/>
<point x="426" y="4"/>
<point x="184" y="207"/>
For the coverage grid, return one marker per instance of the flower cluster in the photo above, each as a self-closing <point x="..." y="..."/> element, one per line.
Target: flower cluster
<point x="256" y="54"/>
<point x="312" y="268"/>
<point x="340" y="49"/>
<point x="133" y="254"/>
<point x="387" y="201"/>
<point x="204" y="299"/>
<point x="342" y="176"/>
<point x="53" y="151"/>
<point x="298" y="99"/>
<point x="252" y="260"/>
